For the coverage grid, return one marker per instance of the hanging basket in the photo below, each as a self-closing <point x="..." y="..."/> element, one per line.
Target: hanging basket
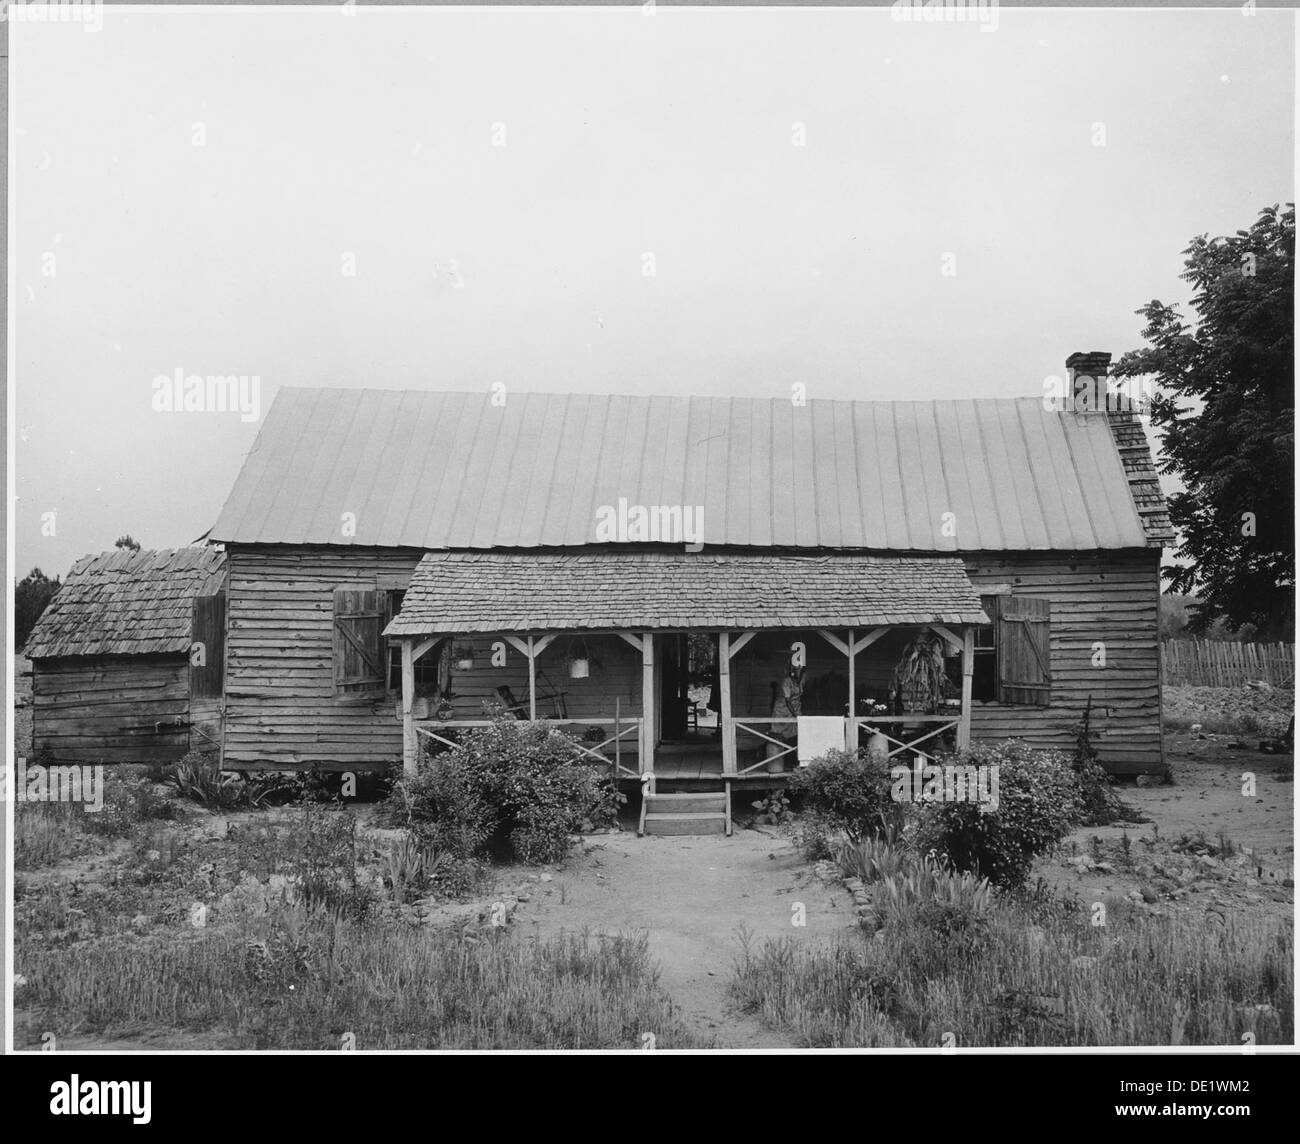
<point x="463" y="658"/>
<point x="579" y="668"/>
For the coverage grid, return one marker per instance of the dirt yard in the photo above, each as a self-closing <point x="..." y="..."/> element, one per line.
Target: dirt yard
<point x="696" y="898"/>
<point x="1208" y="848"/>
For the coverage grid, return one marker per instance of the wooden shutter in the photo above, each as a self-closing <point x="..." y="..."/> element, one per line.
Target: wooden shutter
<point x="208" y="627"/>
<point x="359" y="653"/>
<point x="1024" y="650"/>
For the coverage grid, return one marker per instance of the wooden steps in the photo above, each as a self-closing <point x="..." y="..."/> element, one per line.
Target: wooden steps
<point x="693" y="812"/>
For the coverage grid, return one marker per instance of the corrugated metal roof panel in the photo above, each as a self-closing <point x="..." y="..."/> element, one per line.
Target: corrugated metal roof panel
<point x="454" y="470"/>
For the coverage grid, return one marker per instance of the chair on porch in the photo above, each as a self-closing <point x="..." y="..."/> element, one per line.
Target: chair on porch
<point x="506" y="697"/>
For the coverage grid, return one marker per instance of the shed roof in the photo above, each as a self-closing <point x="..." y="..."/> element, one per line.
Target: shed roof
<point x="456" y="471"/>
<point x="127" y="603"/>
<point x="461" y="592"/>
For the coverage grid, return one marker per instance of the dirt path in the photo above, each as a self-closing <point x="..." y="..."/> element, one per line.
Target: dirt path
<point x="693" y="897"/>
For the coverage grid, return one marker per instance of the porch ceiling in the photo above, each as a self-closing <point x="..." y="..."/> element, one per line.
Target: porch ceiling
<point x="455" y="592"/>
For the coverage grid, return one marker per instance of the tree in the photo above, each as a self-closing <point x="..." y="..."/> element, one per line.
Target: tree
<point x="127" y="541"/>
<point x="1225" y="399"/>
<point x="31" y="595"/>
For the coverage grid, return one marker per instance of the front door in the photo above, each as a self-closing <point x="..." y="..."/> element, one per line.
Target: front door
<point x="674" y="686"/>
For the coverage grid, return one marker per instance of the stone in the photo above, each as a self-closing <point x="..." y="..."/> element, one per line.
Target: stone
<point x="1148" y="895"/>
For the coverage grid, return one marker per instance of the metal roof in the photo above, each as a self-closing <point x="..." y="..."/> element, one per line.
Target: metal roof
<point x="454" y="470"/>
<point x="460" y="592"/>
<point x="127" y="603"/>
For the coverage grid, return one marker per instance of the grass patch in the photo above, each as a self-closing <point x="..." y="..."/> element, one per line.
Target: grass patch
<point x="299" y="980"/>
<point x="1146" y="981"/>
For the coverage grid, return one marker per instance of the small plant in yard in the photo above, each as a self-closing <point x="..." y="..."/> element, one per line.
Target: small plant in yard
<point x="199" y="777"/>
<point x="872" y="859"/>
<point x="773" y="809"/>
<point x="1099" y="805"/>
<point x="1037" y="807"/>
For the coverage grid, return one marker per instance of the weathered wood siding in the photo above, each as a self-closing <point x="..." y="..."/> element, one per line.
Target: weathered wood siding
<point x="282" y="706"/>
<point x="1110" y="598"/>
<point x="111" y="709"/>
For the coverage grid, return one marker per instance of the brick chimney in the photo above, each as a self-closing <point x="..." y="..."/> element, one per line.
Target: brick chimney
<point x="1087" y="397"/>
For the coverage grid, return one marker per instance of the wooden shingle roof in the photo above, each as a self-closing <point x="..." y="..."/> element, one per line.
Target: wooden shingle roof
<point x="127" y="603"/>
<point x="461" y="592"/>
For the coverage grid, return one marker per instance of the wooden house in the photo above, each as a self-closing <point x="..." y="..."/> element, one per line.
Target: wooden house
<point x="127" y="660"/>
<point x="401" y="561"/>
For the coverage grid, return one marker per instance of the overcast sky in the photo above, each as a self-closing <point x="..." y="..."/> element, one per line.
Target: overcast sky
<point x="140" y="252"/>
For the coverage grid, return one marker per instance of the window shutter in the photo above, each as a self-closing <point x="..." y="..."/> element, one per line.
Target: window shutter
<point x="207" y="627"/>
<point x="359" y="620"/>
<point x="1024" y="650"/>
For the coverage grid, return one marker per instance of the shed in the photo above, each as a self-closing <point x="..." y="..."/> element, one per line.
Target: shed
<point x="128" y="658"/>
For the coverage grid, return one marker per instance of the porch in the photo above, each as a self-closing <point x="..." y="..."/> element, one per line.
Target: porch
<point x="482" y="633"/>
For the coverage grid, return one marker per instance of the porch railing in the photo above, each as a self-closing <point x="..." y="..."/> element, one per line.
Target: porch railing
<point x="734" y="726"/>
<point x="941" y="724"/>
<point x="621" y="729"/>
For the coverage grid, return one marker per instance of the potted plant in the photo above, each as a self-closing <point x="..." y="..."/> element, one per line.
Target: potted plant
<point x="579" y="661"/>
<point x="462" y="656"/>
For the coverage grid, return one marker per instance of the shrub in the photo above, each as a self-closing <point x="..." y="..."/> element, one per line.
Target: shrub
<point x="848" y="792"/>
<point x="1037" y="806"/>
<point x="518" y="787"/>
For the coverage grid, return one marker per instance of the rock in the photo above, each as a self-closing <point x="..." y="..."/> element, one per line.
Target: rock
<point x="1104" y="867"/>
<point x="1148" y="895"/>
<point x="548" y="877"/>
<point x="1148" y="780"/>
<point x="140" y="922"/>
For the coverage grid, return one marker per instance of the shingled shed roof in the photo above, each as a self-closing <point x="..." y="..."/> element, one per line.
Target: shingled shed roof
<point x="461" y="592"/>
<point x="410" y="469"/>
<point x="127" y="603"/>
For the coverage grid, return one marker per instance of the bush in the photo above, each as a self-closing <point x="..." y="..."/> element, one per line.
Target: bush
<point x="845" y="791"/>
<point x="516" y="787"/>
<point x="1038" y="805"/>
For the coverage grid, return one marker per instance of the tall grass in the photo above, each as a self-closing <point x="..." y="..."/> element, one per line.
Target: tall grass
<point x="389" y="987"/>
<point x="1151" y="981"/>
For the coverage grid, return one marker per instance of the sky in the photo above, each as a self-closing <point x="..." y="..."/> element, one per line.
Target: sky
<point x="711" y="201"/>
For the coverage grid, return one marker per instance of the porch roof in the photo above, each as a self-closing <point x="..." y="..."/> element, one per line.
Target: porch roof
<point x="455" y="592"/>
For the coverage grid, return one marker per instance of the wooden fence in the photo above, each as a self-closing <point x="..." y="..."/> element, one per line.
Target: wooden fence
<point x="1215" y="663"/>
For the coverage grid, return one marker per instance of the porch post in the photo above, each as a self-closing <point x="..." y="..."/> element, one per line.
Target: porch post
<point x="724" y="704"/>
<point x="532" y="680"/>
<point x="410" y="749"/>
<point x="648" y="705"/>
<point x="851" y="740"/>
<point x="967" y="672"/>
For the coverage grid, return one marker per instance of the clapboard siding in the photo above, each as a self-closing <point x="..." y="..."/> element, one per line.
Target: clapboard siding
<point x="1097" y="597"/>
<point x="111" y="709"/>
<point x="282" y="708"/>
